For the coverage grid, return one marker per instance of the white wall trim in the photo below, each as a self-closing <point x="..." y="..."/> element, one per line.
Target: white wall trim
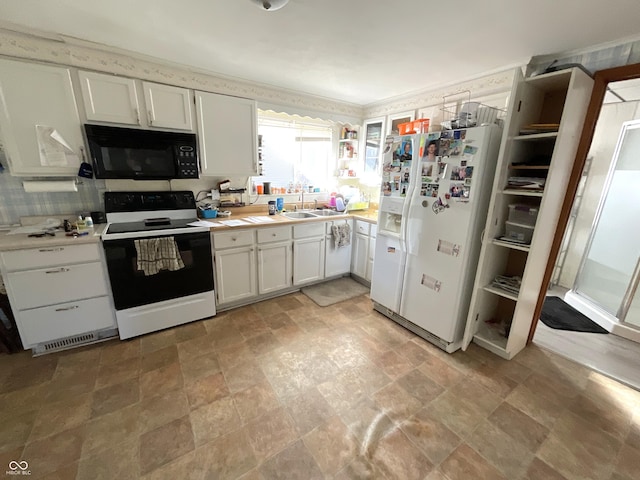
<point x="479" y="87"/>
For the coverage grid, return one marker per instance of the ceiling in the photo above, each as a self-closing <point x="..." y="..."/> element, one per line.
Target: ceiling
<point x="358" y="51"/>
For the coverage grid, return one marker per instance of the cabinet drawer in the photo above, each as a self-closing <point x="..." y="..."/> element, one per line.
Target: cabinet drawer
<point x="309" y="230"/>
<point x="66" y="319"/>
<point x="362" y="227"/>
<point x="48" y="286"/>
<point x="274" y="234"/>
<point x="233" y="239"/>
<point x="49" y="256"/>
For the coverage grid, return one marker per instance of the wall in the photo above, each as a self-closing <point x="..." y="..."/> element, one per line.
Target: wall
<point x="15" y="202"/>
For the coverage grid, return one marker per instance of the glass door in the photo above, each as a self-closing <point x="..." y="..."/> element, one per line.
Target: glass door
<point x="373" y="138"/>
<point x="608" y="274"/>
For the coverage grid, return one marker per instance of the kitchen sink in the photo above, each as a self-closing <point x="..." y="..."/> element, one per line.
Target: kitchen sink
<point x="327" y="213"/>
<point x="300" y="215"/>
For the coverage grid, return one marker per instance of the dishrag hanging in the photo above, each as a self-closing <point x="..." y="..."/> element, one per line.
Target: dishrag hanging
<point x="341" y="234"/>
<point x="155" y="254"/>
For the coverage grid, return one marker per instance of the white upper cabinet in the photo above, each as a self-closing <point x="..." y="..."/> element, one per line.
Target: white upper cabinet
<point x="39" y="121"/>
<point x="167" y="106"/>
<point x="108" y="98"/>
<point x="112" y="99"/>
<point x="227" y="134"/>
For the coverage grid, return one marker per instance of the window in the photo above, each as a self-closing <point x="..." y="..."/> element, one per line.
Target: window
<point x="295" y="150"/>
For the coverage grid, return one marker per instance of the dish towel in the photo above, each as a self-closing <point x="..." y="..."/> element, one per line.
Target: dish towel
<point x="341" y="234"/>
<point x="155" y="254"/>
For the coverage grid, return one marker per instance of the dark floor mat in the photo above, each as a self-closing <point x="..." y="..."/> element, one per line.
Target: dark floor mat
<point x="556" y="313"/>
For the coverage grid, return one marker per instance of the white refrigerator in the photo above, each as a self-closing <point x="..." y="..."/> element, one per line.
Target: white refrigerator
<point x="433" y="206"/>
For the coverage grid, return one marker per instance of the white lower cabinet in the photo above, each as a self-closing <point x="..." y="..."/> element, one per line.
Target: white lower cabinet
<point x="337" y="260"/>
<point x="235" y="267"/>
<point x="57" y="292"/>
<point x="364" y="247"/>
<point x="308" y="253"/>
<point x="360" y="255"/>
<point x="373" y="230"/>
<point x="274" y="259"/>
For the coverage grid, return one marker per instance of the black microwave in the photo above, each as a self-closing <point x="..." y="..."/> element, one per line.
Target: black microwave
<point x="128" y="153"/>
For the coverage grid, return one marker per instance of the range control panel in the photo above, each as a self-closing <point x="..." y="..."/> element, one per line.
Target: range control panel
<point x="187" y="161"/>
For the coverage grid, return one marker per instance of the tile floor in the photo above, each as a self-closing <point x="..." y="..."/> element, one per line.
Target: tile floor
<point x="286" y="389"/>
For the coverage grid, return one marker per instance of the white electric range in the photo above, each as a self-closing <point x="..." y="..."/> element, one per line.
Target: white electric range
<point x="160" y="267"/>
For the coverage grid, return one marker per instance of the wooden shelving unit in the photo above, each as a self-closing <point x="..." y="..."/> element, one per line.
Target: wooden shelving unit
<point x="500" y="320"/>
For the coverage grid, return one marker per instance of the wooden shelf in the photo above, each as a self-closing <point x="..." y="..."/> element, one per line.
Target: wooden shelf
<point x="491" y="340"/>
<point x="536" y="136"/>
<point x="529" y="167"/>
<point x="500" y="292"/>
<point x="514" y="246"/>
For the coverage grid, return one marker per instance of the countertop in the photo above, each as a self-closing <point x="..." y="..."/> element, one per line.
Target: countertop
<point x="22" y="241"/>
<point x="242" y="213"/>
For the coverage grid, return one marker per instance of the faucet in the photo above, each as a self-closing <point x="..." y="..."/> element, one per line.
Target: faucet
<point x="302" y="200"/>
<point x="315" y="203"/>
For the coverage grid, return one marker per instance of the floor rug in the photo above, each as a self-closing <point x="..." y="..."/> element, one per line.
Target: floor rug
<point x="334" y="291"/>
<point x="558" y="314"/>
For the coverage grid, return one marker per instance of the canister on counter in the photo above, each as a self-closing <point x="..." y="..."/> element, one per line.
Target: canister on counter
<point x="279" y="204"/>
<point x="272" y="207"/>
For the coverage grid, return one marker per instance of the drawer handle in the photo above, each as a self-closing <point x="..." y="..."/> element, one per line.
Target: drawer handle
<point x="64" y="309"/>
<point x="233" y="239"/>
<point x="58" y="270"/>
<point x="59" y="249"/>
<point x="273" y="234"/>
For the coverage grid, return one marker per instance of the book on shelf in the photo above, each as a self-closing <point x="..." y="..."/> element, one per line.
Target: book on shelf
<point x="526" y="183"/>
<point x="508" y="284"/>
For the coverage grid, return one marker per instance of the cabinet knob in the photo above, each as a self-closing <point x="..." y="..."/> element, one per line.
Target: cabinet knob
<point x="273" y="234"/>
<point x="150" y="117"/>
<point x="137" y="116"/>
<point x="233" y="239"/>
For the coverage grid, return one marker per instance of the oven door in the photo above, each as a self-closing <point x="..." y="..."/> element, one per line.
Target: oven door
<point x="132" y="288"/>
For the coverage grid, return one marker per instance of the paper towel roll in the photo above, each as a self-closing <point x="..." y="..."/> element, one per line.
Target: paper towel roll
<point x="36" y="186"/>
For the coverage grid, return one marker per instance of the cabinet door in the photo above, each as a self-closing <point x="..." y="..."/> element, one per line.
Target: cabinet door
<point x="372" y="249"/>
<point x="108" y="98"/>
<point x="168" y="106"/>
<point x="38" y="107"/>
<point x="274" y="267"/>
<point x="308" y="260"/>
<point x="227" y="134"/>
<point x="235" y="274"/>
<point x="64" y="320"/>
<point x="337" y="259"/>
<point x="373" y="142"/>
<point x="360" y="255"/>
